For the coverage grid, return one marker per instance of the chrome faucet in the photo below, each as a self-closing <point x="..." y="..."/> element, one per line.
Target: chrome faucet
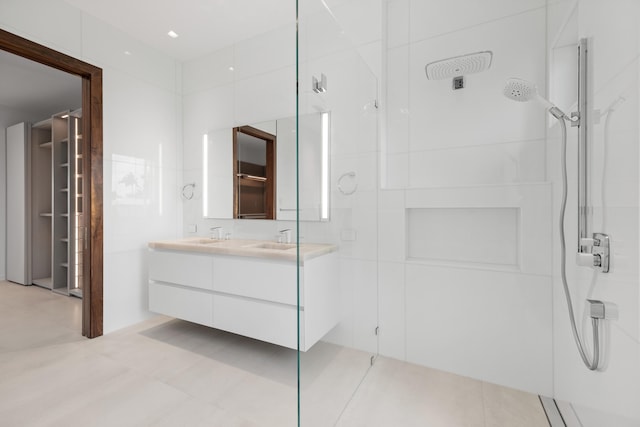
<point x="216" y="233"/>
<point x="284" y="236"/>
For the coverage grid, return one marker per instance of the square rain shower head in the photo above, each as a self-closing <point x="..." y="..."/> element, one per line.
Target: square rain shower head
<point x="459" y="65"/>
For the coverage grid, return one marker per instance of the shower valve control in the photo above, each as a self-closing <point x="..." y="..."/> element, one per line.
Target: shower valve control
<point x="598" y="255"/>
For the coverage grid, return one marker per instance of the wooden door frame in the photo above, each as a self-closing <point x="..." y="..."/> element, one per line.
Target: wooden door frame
<point x="92" y="301"/>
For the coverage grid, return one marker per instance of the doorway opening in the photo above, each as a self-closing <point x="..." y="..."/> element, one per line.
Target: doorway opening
<point x="92" y="256"/>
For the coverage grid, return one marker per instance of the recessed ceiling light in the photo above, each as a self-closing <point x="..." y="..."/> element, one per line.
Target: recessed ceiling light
<point x="231" y="68"/>
<point x="126" y="52"/>
<point x="172" y="34"/>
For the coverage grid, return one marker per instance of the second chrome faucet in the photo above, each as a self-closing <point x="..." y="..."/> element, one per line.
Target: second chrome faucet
<point x="284" y="236"/>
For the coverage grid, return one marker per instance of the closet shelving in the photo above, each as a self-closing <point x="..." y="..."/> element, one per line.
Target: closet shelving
<point x="57" y="219"/>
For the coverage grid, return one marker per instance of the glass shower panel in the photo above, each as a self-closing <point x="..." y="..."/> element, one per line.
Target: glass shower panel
<point x="334" y="79"/>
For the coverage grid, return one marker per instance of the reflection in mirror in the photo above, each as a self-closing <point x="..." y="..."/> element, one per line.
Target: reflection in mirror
<point x="220" y="180"/>
<point x="254" y="173"/>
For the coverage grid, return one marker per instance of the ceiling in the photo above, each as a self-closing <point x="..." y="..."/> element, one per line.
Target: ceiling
<point x="36" y="89"/>
<point x="203" y="26"/>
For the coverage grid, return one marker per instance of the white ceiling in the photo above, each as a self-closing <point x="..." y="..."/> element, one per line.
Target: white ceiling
<point x="203" y="26"/>
<point x="36" y="89"/>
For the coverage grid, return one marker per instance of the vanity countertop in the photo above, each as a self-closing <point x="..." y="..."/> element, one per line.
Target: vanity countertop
<point x="249" y="248"/>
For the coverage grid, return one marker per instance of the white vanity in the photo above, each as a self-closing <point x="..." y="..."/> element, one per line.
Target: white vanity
<point x="247" y="287"/>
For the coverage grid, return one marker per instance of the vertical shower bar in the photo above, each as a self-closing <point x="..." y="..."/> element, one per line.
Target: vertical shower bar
<point x="583" y="127"/>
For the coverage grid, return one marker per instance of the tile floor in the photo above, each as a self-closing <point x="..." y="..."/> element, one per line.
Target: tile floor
<point x="166" y="372"/>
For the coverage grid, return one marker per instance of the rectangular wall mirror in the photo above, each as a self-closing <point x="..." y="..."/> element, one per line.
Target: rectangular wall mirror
<point x="249" y="172"/>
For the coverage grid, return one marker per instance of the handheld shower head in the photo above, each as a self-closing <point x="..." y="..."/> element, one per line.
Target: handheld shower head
<point x="524" y="91"/>
<point x="520" y="90"/>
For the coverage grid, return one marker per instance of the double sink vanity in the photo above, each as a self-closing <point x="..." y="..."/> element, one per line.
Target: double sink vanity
<point x="248" y="287"/>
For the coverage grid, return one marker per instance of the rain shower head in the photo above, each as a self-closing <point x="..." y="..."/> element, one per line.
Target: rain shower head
<point x="458" y="65"/>
<point x="524" y="91"/>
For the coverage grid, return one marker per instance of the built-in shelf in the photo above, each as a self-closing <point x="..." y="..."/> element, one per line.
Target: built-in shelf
<point x="44" y="282"/>
<point x="76" y="292"/>
<point x="55" y="184"/>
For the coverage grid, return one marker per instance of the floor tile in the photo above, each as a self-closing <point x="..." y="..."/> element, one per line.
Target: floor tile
<point x="165" y="372"/>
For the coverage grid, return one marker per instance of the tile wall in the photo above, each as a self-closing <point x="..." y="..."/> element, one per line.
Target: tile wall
<point x="463" y="156"/>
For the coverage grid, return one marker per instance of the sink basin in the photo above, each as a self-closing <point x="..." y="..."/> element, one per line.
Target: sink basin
<point x="204" y="241"/>
<point x="278" y="246"/>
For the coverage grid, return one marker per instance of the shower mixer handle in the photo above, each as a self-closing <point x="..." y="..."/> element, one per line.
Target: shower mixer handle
<point x="598" y="257"/>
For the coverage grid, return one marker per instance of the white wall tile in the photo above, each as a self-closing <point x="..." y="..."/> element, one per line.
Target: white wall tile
<point x="268" y="52"/>
<point x="391" y="226"/>
<point x="444" y="118"/>
<point x="433" y="18"/>
<point x="371" y="54"/>
<point x="320" y="35"/>
<point x="138" y="116"/>
<point x="365" y="307"/>
<point x="209" y="71"/>
<point x="397" y="100"/>
<point x="358" y="285"/>
<point x="395" y="170"/>
<point x="488" y="164"/>
<point x="391" y="299"/>
<point x="144" y="63"/>
<point x="397" y="23"/>
<point x="481" y="324"/>
<point x="360" y="217"/>
<point x="612" y="29"/>
<point x="487" y="236"/>
<point x="125" y="291"/>
<point x="205" y="111"/>
<point x="265" y="97"/>
<point x="359" y="19"/>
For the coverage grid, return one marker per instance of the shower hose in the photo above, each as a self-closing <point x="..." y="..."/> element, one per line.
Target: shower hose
<point x="591" y="364"/>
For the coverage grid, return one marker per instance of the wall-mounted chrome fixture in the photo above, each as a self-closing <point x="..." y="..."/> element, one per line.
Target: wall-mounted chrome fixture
<point x="188" y="190"/>
<point x="459" y="66"/>
<point x="319" y="86"/>
<point x="592" y="251"/>
<point x="347" y="183"/>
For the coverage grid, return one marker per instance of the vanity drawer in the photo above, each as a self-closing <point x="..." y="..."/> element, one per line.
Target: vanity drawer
<point x="185" y="269"/>
<point x="265" y="280"/>
<point x="274" y="323"/>
<point x="192" y="305"/>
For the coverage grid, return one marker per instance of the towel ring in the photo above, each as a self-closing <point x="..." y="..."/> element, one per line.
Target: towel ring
<point x="347" y="186"/>
<point x="188" y="191"/>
